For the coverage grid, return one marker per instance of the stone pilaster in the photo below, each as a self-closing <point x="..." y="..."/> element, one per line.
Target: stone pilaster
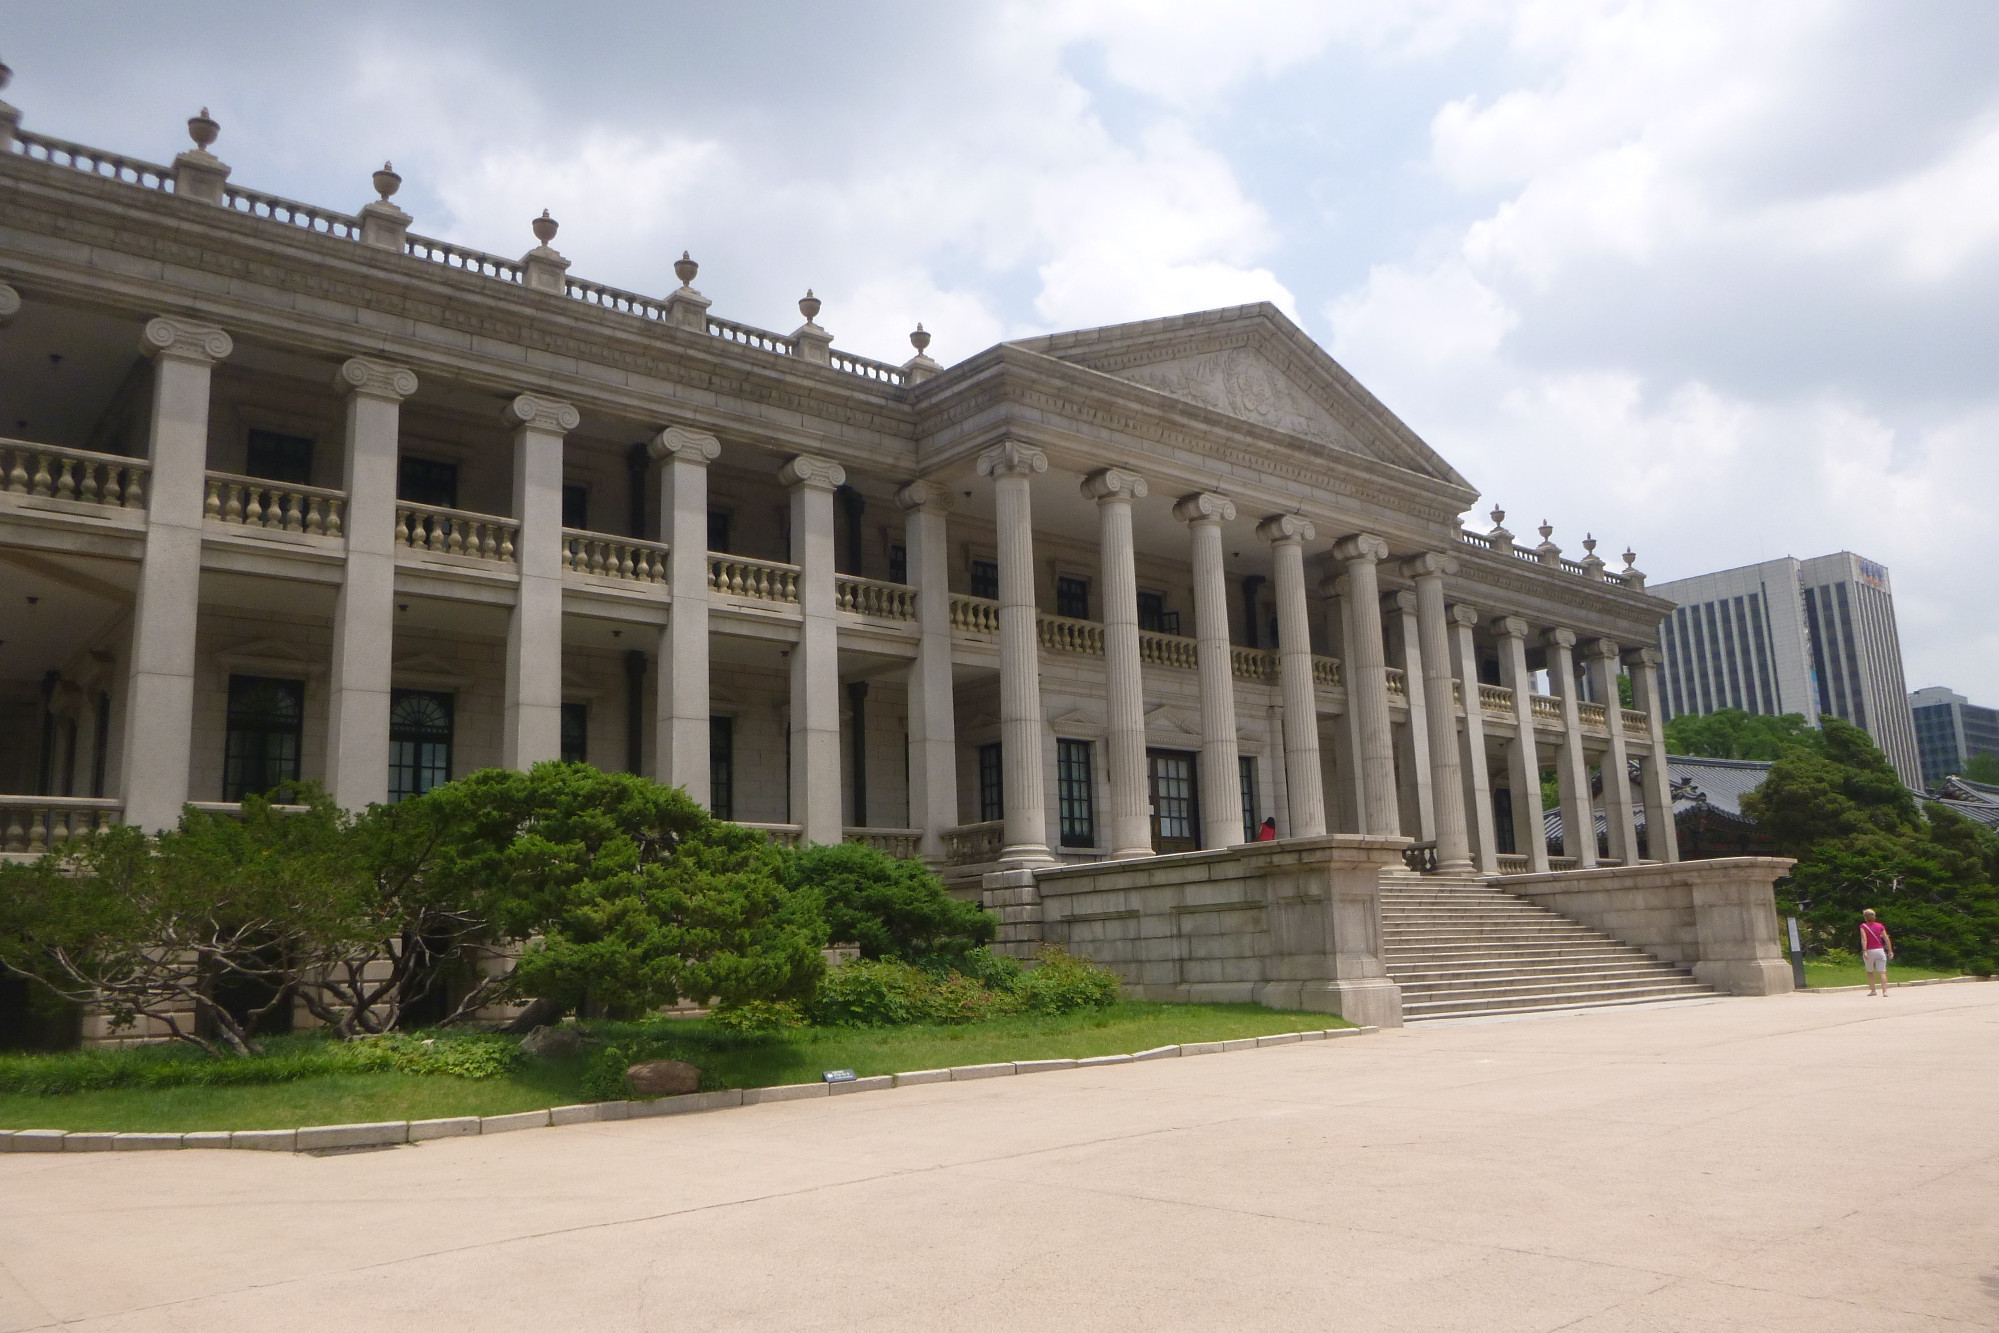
<point x="1413" y="792"/>
<point x="1305" y="797"/>
<point x="1220" y="778"/>
<point x="159" y="698"/>
<point x="1446" y="772"/>
<point x="1367" y="683"/>
<point x="1124" y="682"/>
<point x="1472" y="752"/>
<point x="933" y="744"/>
<point x="1603" y="674"/>
<point x="682" y="704"/>
<point x="1523" y="755"/>
<point x="815" y="665"/>
<point x="1011" y="465"/>
<point x="1571" y="764"/>
<point x="532" y="728"/>
<point x="1662" y="838"/>
<point x="364" y="610"/>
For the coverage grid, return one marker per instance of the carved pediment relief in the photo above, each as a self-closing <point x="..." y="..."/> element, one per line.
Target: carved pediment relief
<point x="1160" y="718"/>
<point x="1242" y="383"/>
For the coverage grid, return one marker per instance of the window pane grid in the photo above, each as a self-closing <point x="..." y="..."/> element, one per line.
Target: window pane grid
<point x="1075" y="793"/>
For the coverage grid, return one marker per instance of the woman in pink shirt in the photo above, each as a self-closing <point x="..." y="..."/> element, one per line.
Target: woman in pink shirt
<point x="1875" y="951"/>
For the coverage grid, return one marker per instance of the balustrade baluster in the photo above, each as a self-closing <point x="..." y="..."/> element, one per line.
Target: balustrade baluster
<point x="232" y="512"/>
<point x="86" y="491"/>
<point x="211" y="503"/>
<point x="253" y="506"/>
<point x="294" y="522"/>
<point x="454" y="541"/>
<point x="17" y="833"/>
<point x="315" y="521"/>
<point x="17" y="472"/>
<point x="596" y="557"/>
<point x="42" y="486"/>
<point x="403" y="527"/>
<point x="38" y="834"/>
<point x="507" y="544"/>
<point x="111" y="494"/>
<point x="65" y="484"/>
<point x="135" y="489"/>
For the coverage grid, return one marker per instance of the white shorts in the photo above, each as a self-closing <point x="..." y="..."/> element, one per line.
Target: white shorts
<point x="1875" y="960"/>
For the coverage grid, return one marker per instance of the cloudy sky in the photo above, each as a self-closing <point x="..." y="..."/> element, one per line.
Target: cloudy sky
<point x="1720" y="281"/>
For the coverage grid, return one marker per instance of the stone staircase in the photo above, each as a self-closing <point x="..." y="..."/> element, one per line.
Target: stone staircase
<point x="1459" y="947"/>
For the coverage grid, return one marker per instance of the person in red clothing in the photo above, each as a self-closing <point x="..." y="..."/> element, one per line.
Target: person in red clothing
<point x="1875" y="951"/>
<point x="1268" y="831"/>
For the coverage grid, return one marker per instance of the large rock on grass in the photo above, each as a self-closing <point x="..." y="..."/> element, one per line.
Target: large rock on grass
<point x="663" y="1078"/>
<point x="546" y="1043"/>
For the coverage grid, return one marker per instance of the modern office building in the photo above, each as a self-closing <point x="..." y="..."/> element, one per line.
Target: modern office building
<point x="1792" y="636"/>
<point x="1949" y="730"/>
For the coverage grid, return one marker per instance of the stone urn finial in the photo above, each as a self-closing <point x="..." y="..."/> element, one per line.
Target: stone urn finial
<point x="203" y="129"/>
<point x="545" y="227"/>
<point x="1498" y="517"/>
<point x="808" y="306"/>
<point x="685" y="268"/>
<point x="1630" y="559"/>
<point x="387" y="182"/>
<point x="1589" y="543"/>
<point x="919" y="339"/>
<point x="1547" y="530"/>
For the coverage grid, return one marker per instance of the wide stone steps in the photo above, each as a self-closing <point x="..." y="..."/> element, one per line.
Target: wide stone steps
<point x="1460" y="948"/>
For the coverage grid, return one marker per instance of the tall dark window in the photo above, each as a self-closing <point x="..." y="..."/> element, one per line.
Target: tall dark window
<point x="985" y="578"/>
<point x="992" y="783"/>
<point x="1153" y="615"/>
<point x="718" y="531"/>
<point x="576" y="733"/>
<point x="266" y="717"/>
<point x="427" y="481"/>
<point x="1072" y="598"/>
<point x="1075" y="793"/>
<point x="722" y="767"/>
<point x="1251" y="816"/>
<point x="576" y="507"/>
<point x="898" y="563"/>
<point x="419" y="741"/>
<point x="100" y="744"/>
<point x="275" y="457"/>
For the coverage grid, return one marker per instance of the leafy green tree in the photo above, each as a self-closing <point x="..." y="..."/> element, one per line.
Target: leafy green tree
<point x="1862" y="841"/>
<point x="1983" y="767"/>
<point x="1730" y="733"/>
<point x="891" y="908"/>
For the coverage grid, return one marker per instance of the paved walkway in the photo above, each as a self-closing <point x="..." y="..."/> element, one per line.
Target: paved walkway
<point x="1818" y="1163"/>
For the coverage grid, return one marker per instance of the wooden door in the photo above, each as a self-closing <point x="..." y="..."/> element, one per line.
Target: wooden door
<point x="1176" y="805"/>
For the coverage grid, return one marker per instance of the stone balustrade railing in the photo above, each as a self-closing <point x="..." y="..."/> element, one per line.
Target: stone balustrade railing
<point x="747" y="336"/>
<point x="73" y="474"/>
<point x="1252" y="663"/>
<point x="784" y="835"/>
<point x="974" y="615"/>
<point x="1495" y="699"/>
<point x="625" y="558"/>
<point x="456" y="532"/>
<point x="463" y="258"/>
<point x="1592" y="715"/>
<point x="1636" y="723"/>
<point x="753" y="580"/>
<point x="866" y="368"/>
<point x="94" y="161"/>
<point x="1547" y="708"/>
<point x="234" y="809"/>
<point x="1510" y="864"/>
<point x="253" y="502"/>
<point x="974" y="844"/>
<point x="1064" y="634"/>
<point x="1398" y="684"/>
<point x="1326" y="672"/>
<point x="325" y="221"/>
<point x="1169" y="650"/>
<point x="874" y="597"/>
<point x="901" y="842"/>
<point x="32" y="825"/>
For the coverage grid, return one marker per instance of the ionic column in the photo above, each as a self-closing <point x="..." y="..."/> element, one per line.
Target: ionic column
<point x="1124" y="733"/>
<point x="159" y="701"/>
<point x="682" y="701"/>
<point x="1413" y="774"/>
<point x="1523" y="757"/>
<point x="1345" y="810"/>
<point x="815" y="665"/>
<point x="1603" y="673"/>
<point x="1367" y="683"/>
<point x="1221" y="777"/>
<point x="1024" y="840"/>
<point x="532" y="728"/>
<point x="1662" y="836"/>
<point x="1484" y="837"/>
<point x="1304" y="788"/>
<point x="364" y="610"/>
<point x="1571" y="764"/>
<point x="933" y="743"/>
<point x="1447" y="793"/>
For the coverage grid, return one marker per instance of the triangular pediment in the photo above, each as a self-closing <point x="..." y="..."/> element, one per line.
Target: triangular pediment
<point x="269" y="657"/>
<point x="428" y="669"/>
<point x="1252" y="363"/>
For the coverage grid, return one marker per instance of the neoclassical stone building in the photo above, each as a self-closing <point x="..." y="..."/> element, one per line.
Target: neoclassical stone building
<point x="293" y="493"/>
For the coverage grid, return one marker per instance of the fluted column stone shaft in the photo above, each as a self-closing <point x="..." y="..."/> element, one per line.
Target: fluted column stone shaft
<point x="532" y="727"/>
<point x="1603" y="673"/>
<point x="1523" y="755"/>
<point x="1024" y="839"/>
<point x="1472" y="752"/>
<point x="364" y="610"/>
<point x="681" y="708"/>
<point x="815" y="665"/>
<point x="1304" y="785"/>
<point x="1124" y="732"/>
<point x="1447" y="793"/>
<point x="159" y="699"/>
<point x="1662" y="835"/>
<point x="1367" y="683"/>
<point x="1220" y="775"/>
<point x="933" y="745"/>
<point x="1571" y="764"/>
<point x="1418" y="810"/>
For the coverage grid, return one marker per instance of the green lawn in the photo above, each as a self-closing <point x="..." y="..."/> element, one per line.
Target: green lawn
<point x="1852" y="974"/>
<point x="726" y="1062"/>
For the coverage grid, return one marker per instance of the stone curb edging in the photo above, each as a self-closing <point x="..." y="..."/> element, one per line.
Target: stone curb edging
<point x="387" y="1133"/>
<point x="1920" y="981"/>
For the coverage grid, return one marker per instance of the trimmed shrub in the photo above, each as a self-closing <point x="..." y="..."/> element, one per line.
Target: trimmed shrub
<point x="1062" y="983"/>
<point x="871" y="994"/>
<point x="891" y="908"/>
<point x="756" y="1018"/>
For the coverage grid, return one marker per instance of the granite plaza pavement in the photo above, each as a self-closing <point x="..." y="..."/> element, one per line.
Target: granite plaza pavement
<point x="1810" y="1162"/>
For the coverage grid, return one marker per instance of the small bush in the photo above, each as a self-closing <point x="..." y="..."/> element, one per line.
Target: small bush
<point x="1840" y="958"/>
<point x="756" y="1018"/>
<point x="604" y="1076"/>
<point x="1063" y="983"/>
<point x="871" y="994"/>
<point x="891" y="908"/>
